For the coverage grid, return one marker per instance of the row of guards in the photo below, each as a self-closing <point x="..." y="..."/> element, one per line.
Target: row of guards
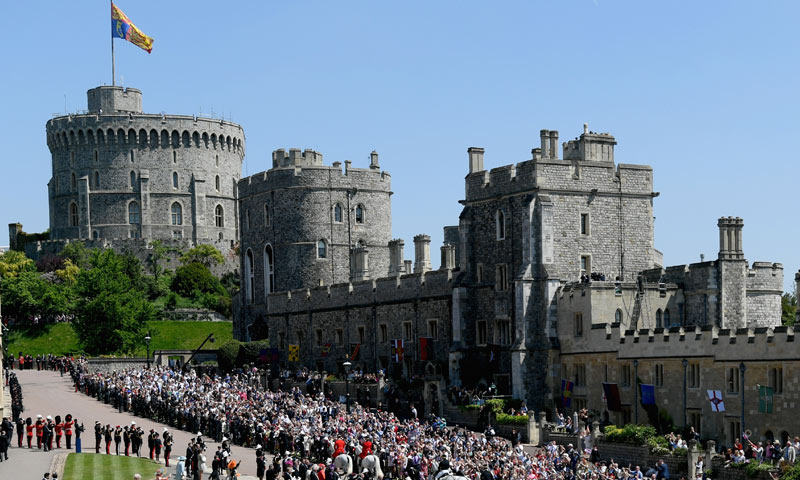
<point x="426" y="353"/>
<point x="647" y="396"/>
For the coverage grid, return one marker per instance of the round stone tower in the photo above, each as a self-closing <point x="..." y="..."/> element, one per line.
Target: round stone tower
<point x="122" y="176"/>
<point x="304" y="224"/>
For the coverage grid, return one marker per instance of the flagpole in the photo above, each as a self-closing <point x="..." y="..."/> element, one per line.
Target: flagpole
<point x="113" y="72"/>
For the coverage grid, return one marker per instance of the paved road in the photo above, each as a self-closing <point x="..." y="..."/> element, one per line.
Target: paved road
<point x="47" y="393"/>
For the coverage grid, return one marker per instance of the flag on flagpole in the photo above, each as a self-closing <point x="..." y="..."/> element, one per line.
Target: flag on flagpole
<point x="715" y="397"/>
<point x="765" y="398"/>
<point x="397" y="350"/>
<point x="326" y="349"/>
<point x="566" y="392"/>
<point x="294" y="353"/>
<point x="613" y="401"/>
<point x="122" y="27"/>
<point x="425" y="349"/>
<point x="648" y="394"/>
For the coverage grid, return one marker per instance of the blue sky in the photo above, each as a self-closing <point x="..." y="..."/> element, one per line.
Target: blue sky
<point x="705" y="92"/>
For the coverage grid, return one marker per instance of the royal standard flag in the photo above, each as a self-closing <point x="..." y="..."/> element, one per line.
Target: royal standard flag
<point x="294" y="353"/>
<point x="566" y="392"/>
<point x="122" y="27"/>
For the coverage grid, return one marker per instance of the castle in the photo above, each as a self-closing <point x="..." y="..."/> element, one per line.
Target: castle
<point x="122" y="178"/>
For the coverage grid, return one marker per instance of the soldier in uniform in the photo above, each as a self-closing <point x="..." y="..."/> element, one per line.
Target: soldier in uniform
<point x="59" y="427"/>
<point x="117" y="438"/>
<point x="20" y="431"/>
<point x="151" y="443"/>
<point x="68" y="424"/>
<point x="29" y="427"/>
<point x="39" y="429"/>
<point x="98" y="436"/>
<point x="108" y="434"/>
<point x="126" y="437"/>
<point x="167" y="445"/>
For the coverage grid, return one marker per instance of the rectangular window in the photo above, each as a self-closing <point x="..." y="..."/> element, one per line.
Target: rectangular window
<point x="384" y="329"/>
<point x="694" y="375"/>
<point x="408" y="332"/>
<point x="695" y="419"/>
<point x="658" y="375"/>
<point x="501" y="278"/>
<point x="732" y="380"/>
<point x="361" y="334"/>
<point x="319" y="337"/>
<point x="479" y="273"/>
<point x="625" y="375"/>
<point x="134" y="233"/>
<point x="504" y="332"/>
<point x="776" y="379"/>
<point x="480" y="334"/>
<point x="281" y="340"/>
<point x="339" y="336"/>
<point x="586" y="265"/>
<point x="433" y="329"/>
<point x="578" y="404"/>
<point x="580" y="375"/>
<point x="177" y="234"/>
<point x="734" y="431"/>
<point x="578" y="324"/>
<point x="584" y="224"/>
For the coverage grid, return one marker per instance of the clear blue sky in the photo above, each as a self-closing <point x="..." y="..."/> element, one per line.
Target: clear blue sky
<point x="705" y="92"/>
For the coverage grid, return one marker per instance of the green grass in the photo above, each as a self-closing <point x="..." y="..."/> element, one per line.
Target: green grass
<point x="60" y="339"/>
<point x="80" y="466"/>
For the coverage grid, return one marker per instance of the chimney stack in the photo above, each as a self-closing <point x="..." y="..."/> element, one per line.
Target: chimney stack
<point x="396" y="266"/>
<point x="797" y="292"/>
<point x="407" y="268"/>
<point x="544" y="136"/>
<point x="475" y="159"/>
<point x="554" y="144"/>
<point x="373" y="160"/>
<point x="730" y="238"/>
<point x="422" y="253"/>
<point x="360" y="266"/>
<point x="448" y="257"/>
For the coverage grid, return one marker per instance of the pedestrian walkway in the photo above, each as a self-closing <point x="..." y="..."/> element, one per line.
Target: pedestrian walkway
<point x="47" y="393"/>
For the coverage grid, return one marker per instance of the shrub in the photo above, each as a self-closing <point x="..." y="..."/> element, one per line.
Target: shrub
<point x="496" y="404"/>
<point x="633" y="434"/>
<point x="658" y="445"/>
<point x="680" y="452"/>
<point x="227" y="354"/>
<point x="506" y="419"/>
<point x="754" y="468"/>
<point x="470" y="407"/>
<point x="195" y="277"/>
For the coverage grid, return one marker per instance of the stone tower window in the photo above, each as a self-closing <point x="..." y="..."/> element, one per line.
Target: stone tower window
<point x="500" y="224"/>
<point x="132" y="157"/>
<point x="73" y="182"/>
<point x="216" y="183"/>
<point x="133" y="179"/>
<point x="659" y="318"/>
<point x="217" y="161"/>
<point x="269" y="270"/>
<point x="219" y="216"/>
<point x="134" y="213"/>
<point x="96" y="179"/>
<point x="247" y="219"/>
<point x="248" y="275"/>
<point x="586" y="265"/>
<point x="73" y="214"/>
<point x="174" y="157"/>
<point x="776" y="380"/>
<point x="322" y="249"/>
<point x="337" y="213"/>
<point x="177" y="214"/>
<point x="667" y="322"/>
<point x="96" y="157"/>
<point x="266" y="215"/>
<point x="584" y="224"/>
<point x="360" y="214"/>
<point x="174" y="179"/>
<point x="72" y="158"/>
<point x="618" y="316"/>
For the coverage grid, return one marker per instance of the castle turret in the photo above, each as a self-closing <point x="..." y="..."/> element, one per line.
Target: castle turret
<point x="108" y="100"/>
<point x="732" y="274"/>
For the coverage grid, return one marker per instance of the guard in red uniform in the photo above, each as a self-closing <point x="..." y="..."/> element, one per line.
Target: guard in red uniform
<point x="68" y="423"/>
<point x="29" y="430"/>
<point x="39" y="431"/>
<point x="366" y="448"/>
<point x="338" y="448"/>
<point x="59" y="430"/>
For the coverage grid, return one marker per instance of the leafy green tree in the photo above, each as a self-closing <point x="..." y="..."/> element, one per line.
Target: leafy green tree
<point x="196" y="278"/>
<point x="204" y="254"/>
<point x="31" y="294"/>
<point x="788" y="308"/>
<point x="159" y="254"/>
<point x="13" y="262"/>
<point x="112" y="312"/>
<point x="77" y="253"/>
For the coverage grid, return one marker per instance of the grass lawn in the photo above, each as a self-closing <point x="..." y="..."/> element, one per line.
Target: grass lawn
<point x="60" y="339"/>
<point x="81" y="466"/>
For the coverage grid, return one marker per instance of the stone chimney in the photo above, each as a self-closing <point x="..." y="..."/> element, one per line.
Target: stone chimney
<point x="448" y="257"/>
<point x="797" y="292"/>
<point x="422" y="253"/>
<point x="554" y="144"/>
<point x="544" y="136"/>
<point x="407" y="268"/>
<point x="730" y="238"/>
<point x="396" y="266"/>
<point x="373" y="160"/>
<point x="360" y="265"/>
<point x="475" y="159"/>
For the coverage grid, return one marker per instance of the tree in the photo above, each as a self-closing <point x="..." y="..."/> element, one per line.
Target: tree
<point x="13" y="262"/>
<point x="78" y="253"/>
<point x="204" y="254"/>
<point x="112" y="311"/>
<point x="196" y="278"/>
<point x="159" y="253"/>
<point x="788" y="308"/>
<point x="69" y="273"/>
<point x="30" y="295"/>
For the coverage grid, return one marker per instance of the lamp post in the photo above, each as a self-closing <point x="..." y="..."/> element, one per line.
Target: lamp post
<point x="636" y="392"/>
<point x="347" y="366"/>
<point x="685" y="363"/>
<point x="742" y="368"/>
<point x="147" y="343"/>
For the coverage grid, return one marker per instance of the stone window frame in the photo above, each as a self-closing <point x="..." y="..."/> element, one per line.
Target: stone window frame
<point x="267" y="216"/>
<point x="659" y="318"/>
<point x="73" y="181"/>
<point x="133" y="178"/>
<point x="318" y="336"/>
<point x="383" y="329"/>
<point x="176" y="218"/>
<point x="658" y="374"/>
<point x="175" y="183"/>
<point x="247" y="219"/>
<point x="177" y="234"/>
<point x="503" y="332"/>
<point x="216" y="183"/>
<point x="618" y="316"/>
<point x="300" y="336"/>
<point x="667" y="321"/>
<point x="578" y="324"/>
<point x="96" y="156"/>
<point x="500" y="224"/>
<point x="219" y="216"/>
<point x="74" y="215"/>
<point x="585" y="224"/>
<point x="133" y="157"/>
<point x="282" y="340"/>
<point x="174" y="157"/>
<point x="72" y="158"/>
<point x="408" y="331"/>
<point x="249" y="276"/>
<point x="216" y="160"/>
<point x="693" y="373"/>
<point x="479" y="273"/>
<point x="625" y="374"/>
<point x="134" y="218"/>
<point x="588" y="268"/>
<point x="775" y="379"/>
<point x="580" y="374"/>
<point x="732" y="386"/>
<point x="269" y="269"/>
<point x="481" y="332"/>
<point x="501" y="277"/>
<point x="433" y="328"/>
<point x="134" y="233"/>
<point x="96" y="179"/>
<point x="695" y="419"/>
<point x="363" y="214"/>
<point x="339" y="336"/>
<point x="321" y="249"/>
<point x="95" y="235"/>
<point x="337" y="210"/>
<point x="362" y="334"/>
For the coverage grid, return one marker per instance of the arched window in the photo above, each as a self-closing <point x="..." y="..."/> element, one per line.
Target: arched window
<point x="667" y="322"/>
<point x="133" y="213"/>
<point x="177" y="214"/>
<point x="216" y="183"/>
<point x="219" y="216"/>
<point x="133" y="179"/>
<point x="96" y="179"/>
<point x="73" y="214"/>
<point x="500" y="224"/>
<point x="266" y="215"/>
<point x="95" y="235"/>
<point x="659" y="318"/>
<point x="360" y="213"/>
<point x="322" y="249"/>
<point x="73" y="182"/>
<point x="248" y="274"/>
<point x="174" y="179"/>
<point x="337" y="213"/>
<point x="269" y="270"/>
<point x="618" y="316"/>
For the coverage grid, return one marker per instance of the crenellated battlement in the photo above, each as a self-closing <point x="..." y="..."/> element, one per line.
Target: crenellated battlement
<point x="765" y="276"/>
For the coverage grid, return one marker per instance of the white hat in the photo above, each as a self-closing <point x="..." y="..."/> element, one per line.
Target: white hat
<point x="165" y="429"/>
<point x="38" y="416"/>
<point x="133" y="423"/>
<point x="258" y="446"/>
<point x="49" y="417"/>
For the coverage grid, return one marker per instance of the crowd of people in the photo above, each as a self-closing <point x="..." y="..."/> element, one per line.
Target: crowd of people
<point x="39" y="362"/>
